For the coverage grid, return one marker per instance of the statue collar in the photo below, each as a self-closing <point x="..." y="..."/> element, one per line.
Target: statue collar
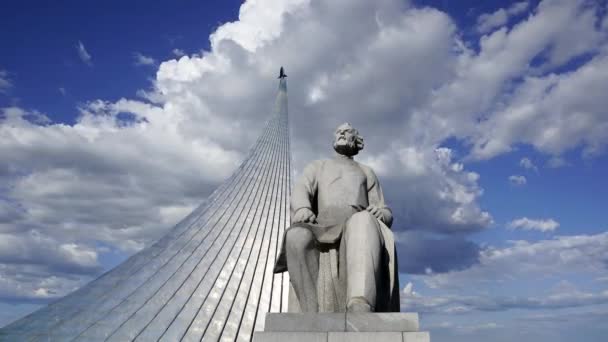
<point x="339" y="156"/>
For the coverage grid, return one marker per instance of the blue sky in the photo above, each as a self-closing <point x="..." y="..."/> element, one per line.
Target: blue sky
<point x="112" y="32"/>
<point x="485" y="121"/>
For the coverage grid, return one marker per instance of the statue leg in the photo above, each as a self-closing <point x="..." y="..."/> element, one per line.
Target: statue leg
<point x="363" y="245"/>
<point x="303" y="265"/>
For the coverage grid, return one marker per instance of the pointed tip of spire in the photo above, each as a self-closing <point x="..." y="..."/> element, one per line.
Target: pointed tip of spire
<point x="282" y="73"/>
<point x="282" y="80"/>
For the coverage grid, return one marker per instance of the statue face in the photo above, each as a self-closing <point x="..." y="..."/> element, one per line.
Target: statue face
<point x="346" y="140"/>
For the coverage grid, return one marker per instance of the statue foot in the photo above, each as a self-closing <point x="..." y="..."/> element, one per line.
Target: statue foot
<point x="358" y="304"/>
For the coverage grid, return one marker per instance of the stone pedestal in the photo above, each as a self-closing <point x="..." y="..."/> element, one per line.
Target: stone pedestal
<point x="341" y="327"/>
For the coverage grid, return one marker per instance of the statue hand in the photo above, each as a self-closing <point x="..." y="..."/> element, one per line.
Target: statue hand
<point x="377" y="212"/>
<point x="304" y="215"/>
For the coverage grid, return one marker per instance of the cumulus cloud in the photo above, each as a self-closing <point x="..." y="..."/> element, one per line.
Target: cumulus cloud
<point x="5" y="82"/>
<point x="83" y="54"/>
<point x="35" y="284"/>
<point x="559" y="256"/>
<point x="107" y="159"/>
<point x="178" y="52"/>
<point x="63" y="257"/>
<point x="142" y="59"/>
<point x="542" y="225"/>
<point x="556" y="162"/>
<point x="486" y="22"/>
<point x="599" y="315"/>
<point x="527" y="164"/>
<point x="456" y="304"/>
<point x="422" y="254"/>
<point x="517" y="180"/>
<point x="477" y="327"/>
<point x="106" y="180"/>
<point x="552" y="112"/>
<point x="444" y="198"/>
<point x="503" y="93"/>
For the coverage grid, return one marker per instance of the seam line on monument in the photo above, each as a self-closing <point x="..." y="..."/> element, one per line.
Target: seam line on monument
<point x="266" y="168"/>
<point x="168" y="327"/>
<point x="262" y="293"/>
<point x="112" y="275"/>
<point x="196" y="229"/>
<point x="257" y="241"/>
<point x="185" y="227"/>
<point x="251" y="271"/>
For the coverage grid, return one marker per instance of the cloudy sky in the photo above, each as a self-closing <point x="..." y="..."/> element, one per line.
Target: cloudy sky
<point x="485" y="120"/>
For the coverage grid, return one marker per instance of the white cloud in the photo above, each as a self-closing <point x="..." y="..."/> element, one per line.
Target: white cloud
<point x="526" y="163"/>
<point x="36" y="266"/>
<point x="486" y="22"/>
<point x="83" y="54"/>
<point x="5" y="82"/>
<point x="552" y="112"/>
<point x="104" y="159"/>
<point x="408" y="290"/>
<point x="457" y="304"/>
<point x="543" y="225"/>
<point x="556" y="162"/>
<point x="445" y="196"/>
<point x="62" y="91"/>
<point x="178" y="52"/>
<point x="559" y="256"/>
<point x="477" y="327"/>
<point x="505" y="94"/>
<point x="143" y="60"/>
<point x="518" y="180"/>
<point x="32" y="246"/>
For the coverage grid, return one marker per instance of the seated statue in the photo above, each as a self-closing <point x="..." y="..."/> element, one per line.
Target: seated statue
<point x="339" y="250"/>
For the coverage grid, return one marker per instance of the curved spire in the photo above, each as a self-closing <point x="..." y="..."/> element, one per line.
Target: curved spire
<point x="209" y="278"/>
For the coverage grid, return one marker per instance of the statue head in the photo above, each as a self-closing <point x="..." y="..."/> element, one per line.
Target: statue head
<point x="347" y="140"/>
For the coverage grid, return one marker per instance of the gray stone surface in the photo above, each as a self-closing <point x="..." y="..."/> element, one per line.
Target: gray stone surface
<point x="341" y="337"/>
<point x="340" y="322"/>
<point x="339" y="202"/>
<point x="421" y="336"/>
<point x="339" y="327"/>
<point x="289" y="337"/>
<point x="364" y="337"/>
<point x="359" y="321"/>
<point x="312" y="322"/>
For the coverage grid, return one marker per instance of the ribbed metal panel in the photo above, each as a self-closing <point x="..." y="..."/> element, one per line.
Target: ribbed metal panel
<point x="209" y="279"/>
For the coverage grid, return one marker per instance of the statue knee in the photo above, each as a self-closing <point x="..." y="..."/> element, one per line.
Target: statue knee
<point x="298" y="240"/>
<point x="363" y="219"/>
<point x="362" y="224"/>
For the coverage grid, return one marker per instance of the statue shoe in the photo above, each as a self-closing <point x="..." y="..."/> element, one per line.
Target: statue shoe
<point x="358" y="304"/>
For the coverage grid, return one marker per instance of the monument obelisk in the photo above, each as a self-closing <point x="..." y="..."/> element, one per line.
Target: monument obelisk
<point x="209" y="278"/>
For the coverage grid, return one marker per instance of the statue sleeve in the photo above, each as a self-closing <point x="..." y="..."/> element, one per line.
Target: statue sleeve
<point x="305" y="189"/>
<point x="376" y="197"/>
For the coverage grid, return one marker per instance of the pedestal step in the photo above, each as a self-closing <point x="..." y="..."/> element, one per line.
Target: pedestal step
<point x="341" y="337"/>
<point x="342" y="322"/>
<point x="342" y="327"/>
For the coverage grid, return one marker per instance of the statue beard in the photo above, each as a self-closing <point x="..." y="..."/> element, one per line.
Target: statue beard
<point x="349" y="149"/>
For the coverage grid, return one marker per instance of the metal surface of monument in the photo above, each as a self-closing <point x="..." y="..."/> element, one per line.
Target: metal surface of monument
<point x="210" y="278"/>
